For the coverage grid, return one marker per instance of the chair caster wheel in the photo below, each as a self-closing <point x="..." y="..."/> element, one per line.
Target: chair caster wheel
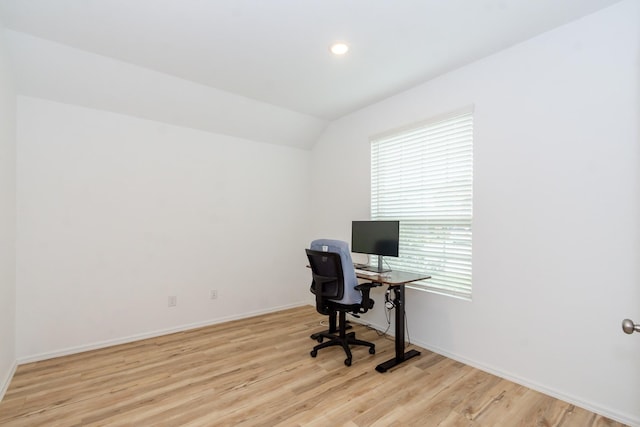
<point x="372" y="350"/>
<point x="347" y="362"/>
<point x="313" y="353"/>
<point x="319" y="339"/>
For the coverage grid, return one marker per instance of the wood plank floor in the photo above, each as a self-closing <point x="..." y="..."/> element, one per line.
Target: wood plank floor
<point x="258" y="372"/>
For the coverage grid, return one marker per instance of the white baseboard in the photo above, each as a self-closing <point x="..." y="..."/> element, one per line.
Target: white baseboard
<point x="4" y="385"/>
<point x="151" y="334"/>
<point x="590" y="406"/>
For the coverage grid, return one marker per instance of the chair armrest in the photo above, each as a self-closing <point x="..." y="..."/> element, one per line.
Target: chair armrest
<point x="362" y="287"/>
<point x="365" y="289"/>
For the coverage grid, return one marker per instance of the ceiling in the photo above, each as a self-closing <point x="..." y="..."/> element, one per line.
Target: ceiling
<point x="276" y="51"/>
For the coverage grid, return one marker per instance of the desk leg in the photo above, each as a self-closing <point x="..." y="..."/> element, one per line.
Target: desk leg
<point x="401" y="356"/>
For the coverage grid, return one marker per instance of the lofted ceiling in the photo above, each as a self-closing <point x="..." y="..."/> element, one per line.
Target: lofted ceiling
<point x="267" y="54"/>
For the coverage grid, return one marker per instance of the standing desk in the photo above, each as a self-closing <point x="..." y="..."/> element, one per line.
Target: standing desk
<point x="396" y="280"/>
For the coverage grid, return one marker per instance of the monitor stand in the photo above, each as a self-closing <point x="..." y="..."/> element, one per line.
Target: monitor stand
<point x="381" y="268"/>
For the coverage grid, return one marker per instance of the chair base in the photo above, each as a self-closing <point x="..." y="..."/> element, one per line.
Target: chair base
<point x="343" y="339"/>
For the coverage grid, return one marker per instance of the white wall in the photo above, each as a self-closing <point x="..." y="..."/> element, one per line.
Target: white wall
<point x="7" y="220"/>
<point x="556" y="208"/>
<point x="116" y="213"/>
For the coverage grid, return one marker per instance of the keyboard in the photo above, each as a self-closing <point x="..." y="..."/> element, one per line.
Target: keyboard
<point x="365" y="272"/>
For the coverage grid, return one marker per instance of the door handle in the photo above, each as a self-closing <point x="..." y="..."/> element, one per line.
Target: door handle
<point x="629" y="327"/>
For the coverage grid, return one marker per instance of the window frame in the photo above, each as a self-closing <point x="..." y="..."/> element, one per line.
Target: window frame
<point x="452" y="274"/>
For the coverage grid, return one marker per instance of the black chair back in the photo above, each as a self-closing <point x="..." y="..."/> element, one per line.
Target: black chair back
<point x="328" y="279"/>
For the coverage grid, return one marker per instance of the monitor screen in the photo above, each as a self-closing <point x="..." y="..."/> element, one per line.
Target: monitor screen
<point x="375" y="237"/>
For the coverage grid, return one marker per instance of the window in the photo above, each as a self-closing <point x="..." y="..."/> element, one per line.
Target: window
<point x="423" y="176"/>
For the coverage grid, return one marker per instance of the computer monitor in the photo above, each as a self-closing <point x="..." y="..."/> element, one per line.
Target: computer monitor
<point x="380" y="238"/>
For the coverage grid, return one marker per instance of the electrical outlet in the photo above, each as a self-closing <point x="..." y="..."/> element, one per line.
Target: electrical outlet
<point x="213" y="294"/>
<point x="173" y="301"/>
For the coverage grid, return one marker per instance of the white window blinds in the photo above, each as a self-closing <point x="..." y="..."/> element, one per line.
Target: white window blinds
<point x="423" y="176"/>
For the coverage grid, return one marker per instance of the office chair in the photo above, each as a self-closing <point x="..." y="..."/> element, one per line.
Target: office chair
<point x="336" y="288"/>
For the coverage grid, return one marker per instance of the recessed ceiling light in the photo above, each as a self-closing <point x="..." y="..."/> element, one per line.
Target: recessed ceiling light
<point x="339" y="48"/>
